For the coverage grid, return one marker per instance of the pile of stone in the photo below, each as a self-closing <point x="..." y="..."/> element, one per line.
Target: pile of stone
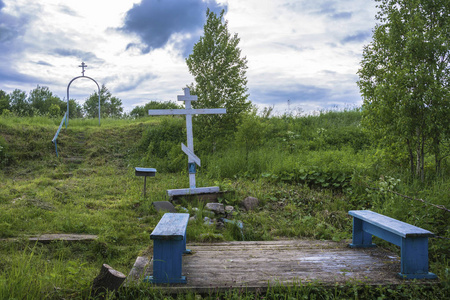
<point x="220" y="215"/>
<point x="214" y="213"/>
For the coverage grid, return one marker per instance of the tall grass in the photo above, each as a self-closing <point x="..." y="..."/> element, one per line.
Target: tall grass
<point x="45" y="121"/>
<point x="306" y="171"/>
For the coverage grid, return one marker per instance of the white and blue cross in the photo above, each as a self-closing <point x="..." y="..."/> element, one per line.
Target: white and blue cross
<point x="189" y="149"/>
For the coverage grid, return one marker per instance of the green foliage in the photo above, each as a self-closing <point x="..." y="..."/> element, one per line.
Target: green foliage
<point x="75" y="109"/>
<point x="220" y="81"/>
<point x="162" y="145"/>
<point x="4" y="101"/>
<point x="288" y="168"/>
<point x="250" y="133"/>
<point x="40" y="102"/>
<point x="5" y="156"/>
<point x="404" y="79"/>
<point x="20" y="104"/>
<point x="142" y="111"/>
<point x="109" y="106"/>
<point x="43" y="102"/>
<point x="314" y="178"/>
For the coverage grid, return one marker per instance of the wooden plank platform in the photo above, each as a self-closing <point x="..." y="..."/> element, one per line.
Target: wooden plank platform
<point x="48" y="238"/>
<point x="255" y="265"/>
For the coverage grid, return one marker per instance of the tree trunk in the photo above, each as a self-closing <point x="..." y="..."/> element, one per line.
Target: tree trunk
<point x="411" y="157"/>
<point x="108" y="280"/>
<point x="422" y="160"/>
<point x="437" y="159"/>
<point x="420" y="153"/>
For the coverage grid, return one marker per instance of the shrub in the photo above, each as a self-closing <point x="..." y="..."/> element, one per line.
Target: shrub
<point x="5" y="157"/>
<point x="161" y="145"/>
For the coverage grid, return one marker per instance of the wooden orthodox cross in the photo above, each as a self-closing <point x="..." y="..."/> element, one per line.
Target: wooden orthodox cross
<point x="189" y="149"/>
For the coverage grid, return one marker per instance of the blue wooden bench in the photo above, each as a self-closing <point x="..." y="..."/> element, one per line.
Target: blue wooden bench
<point x="169" y="245"/>
<point x="412" y="240"/>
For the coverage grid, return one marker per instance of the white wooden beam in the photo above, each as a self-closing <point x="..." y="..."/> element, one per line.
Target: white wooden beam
<point x="202" y="111"/>
<point x="202" y="190"/>
<point x="191" y="154"/>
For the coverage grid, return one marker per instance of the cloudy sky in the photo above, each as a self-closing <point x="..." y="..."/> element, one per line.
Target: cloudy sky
<point x="303" y="52"/>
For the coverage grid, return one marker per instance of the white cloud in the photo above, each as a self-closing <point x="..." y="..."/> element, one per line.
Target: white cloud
<point x="305" y="51"/>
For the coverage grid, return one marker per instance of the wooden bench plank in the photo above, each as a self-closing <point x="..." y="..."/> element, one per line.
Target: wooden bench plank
<point x="392" y="225"/>
<point x="172" y="226"/>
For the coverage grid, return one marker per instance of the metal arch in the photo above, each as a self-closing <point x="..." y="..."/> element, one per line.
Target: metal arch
<point x="68" y="86"/>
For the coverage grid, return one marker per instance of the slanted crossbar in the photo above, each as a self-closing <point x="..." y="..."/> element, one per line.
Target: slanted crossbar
<point x="412" y="240"/>
<point x="169" y="245"/>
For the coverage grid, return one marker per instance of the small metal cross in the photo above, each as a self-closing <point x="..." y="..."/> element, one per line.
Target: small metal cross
<point x="83" y="65"/>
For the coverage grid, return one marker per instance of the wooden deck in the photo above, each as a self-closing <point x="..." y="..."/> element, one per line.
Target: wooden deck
<point x="255" y="265"/>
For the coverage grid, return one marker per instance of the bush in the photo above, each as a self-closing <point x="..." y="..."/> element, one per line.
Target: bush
<point x="5" y="157"/>
<point x="161" y="145"/>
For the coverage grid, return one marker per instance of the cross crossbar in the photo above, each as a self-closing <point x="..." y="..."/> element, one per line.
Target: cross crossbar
<point x="202" y="111"/>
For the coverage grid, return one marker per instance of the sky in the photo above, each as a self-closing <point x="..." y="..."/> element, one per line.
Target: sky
<point x="303" y="55"/>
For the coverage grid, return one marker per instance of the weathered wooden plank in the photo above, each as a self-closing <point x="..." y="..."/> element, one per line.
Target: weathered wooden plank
<point x="172" y="226"/>
<point x="137" y="271"/>
<point x="193" y="191"/>
<point x="255" y="265"/>
<point x="71" y="237"/>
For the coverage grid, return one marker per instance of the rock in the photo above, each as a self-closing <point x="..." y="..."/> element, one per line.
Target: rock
<point x="193" y="218"/>
<point x="220" y="224"/>
<point x="250" y="203"/>
<point x="164" y="206"/>
<point x="229" y="209"/>
<point x="208" y="213"/>
<point x="217" y="208"/>
<point x="208" y="221"/>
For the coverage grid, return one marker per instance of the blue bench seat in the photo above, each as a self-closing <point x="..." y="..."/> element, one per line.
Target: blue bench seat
<point x="412" y="240"/>
<point x="169" y="245"/>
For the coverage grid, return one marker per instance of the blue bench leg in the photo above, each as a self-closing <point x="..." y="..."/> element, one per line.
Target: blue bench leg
<point x="186" y="251"/>
<point x="167" y="262"/>
<point x="414" y="259"/>
<point x="361" y="239"/>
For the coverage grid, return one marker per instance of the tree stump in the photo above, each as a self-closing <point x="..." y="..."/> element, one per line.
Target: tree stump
<point x="108" y="280"/>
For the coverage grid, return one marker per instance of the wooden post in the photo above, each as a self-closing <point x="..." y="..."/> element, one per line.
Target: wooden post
<point x="145" y="184"/>
<point x="108" y="280"/>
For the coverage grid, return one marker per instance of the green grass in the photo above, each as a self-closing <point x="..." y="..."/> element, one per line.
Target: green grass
<point x="306" y="179"/>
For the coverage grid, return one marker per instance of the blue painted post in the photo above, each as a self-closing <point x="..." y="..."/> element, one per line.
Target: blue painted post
<point x="56" y="149"/>
<point x="361" y="239"/>
<point x="185" y="251"/>
<point x="169" y="238"/>
<point x="414" y="259"/>
<point x="167" y="261"/>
